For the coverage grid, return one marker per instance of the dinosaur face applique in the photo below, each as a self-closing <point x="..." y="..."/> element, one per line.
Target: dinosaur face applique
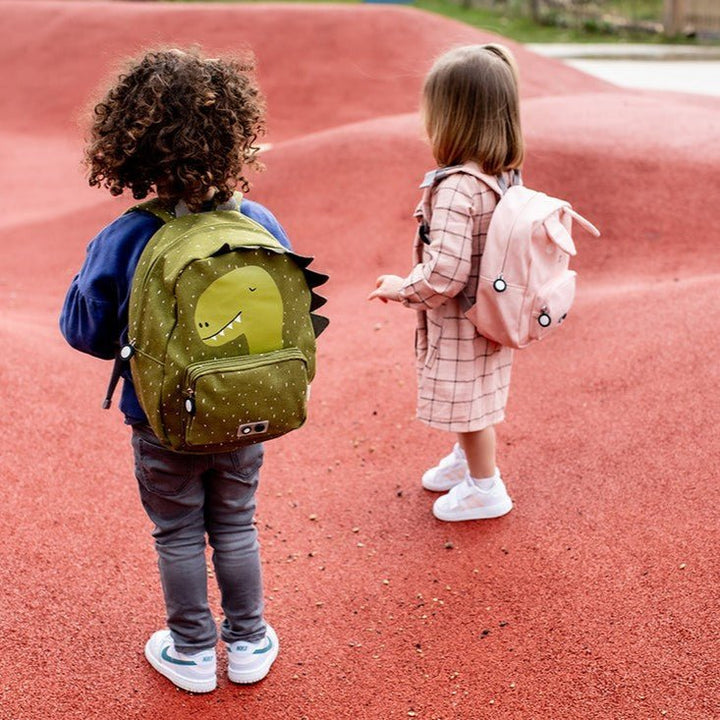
<point x="246" y="301"/>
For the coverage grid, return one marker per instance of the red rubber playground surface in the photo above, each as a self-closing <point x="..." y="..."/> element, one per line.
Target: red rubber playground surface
<point x="597" y="597"/>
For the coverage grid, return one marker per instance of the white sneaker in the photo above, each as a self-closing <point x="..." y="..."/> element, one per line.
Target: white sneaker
<point x="466" y="501"/>
<point x="250" y="662"/>
<point x="447" y="473"/>
<point x="195" y="673"/>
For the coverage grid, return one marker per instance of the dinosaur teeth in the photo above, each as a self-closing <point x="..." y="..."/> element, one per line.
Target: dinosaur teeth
<point x="216" y="337"/>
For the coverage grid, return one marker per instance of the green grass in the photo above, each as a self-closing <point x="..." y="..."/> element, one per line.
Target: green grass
<point x="637" y="9"/>
<point x="240" y="2"/>
<point x="510" y="24"/>
<point x="513" y="21"/>
<point x="516" y="24"/>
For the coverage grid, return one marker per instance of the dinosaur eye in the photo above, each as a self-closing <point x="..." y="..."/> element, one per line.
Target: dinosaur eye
<point x="252" y="289"/>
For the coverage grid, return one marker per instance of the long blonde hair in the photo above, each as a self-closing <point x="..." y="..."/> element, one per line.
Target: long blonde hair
<point x="471" y="108"/>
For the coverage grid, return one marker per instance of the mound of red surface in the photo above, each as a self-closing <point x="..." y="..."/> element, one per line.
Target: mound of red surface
<point x="595" y="597"/>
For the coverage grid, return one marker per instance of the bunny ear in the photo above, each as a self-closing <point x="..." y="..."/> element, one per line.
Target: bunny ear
<point x="583" y="222"/>
<point x="559" y="234"/>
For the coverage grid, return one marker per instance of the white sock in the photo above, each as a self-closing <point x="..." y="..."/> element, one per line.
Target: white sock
<point x="484" y="484"/>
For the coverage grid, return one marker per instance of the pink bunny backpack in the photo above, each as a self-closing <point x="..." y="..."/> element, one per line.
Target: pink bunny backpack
<point x="525" y="289"/>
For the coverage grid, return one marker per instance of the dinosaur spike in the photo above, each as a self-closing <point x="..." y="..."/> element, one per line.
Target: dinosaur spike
<point x="319" y="323"/>
<point x="315" y="279"/>
<point x="316" y="301"/>
<point x="302" y="260"/>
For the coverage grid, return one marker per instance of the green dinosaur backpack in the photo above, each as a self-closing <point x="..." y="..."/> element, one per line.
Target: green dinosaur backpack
<point x="221" y="334"/>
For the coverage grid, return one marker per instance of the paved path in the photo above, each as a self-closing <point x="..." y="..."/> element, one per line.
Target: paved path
<point x="690" y="69"/>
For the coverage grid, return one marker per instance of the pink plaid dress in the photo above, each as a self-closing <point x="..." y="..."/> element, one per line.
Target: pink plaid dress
<point x="463" y="378"/>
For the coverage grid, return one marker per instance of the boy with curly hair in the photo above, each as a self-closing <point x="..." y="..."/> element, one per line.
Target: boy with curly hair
<point x="184" y="126"/>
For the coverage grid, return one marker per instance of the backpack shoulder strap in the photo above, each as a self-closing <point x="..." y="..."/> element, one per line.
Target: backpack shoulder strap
<point x="432" y="178"/>
<point x="496" y="184"/>
<point x="154" y="207"/>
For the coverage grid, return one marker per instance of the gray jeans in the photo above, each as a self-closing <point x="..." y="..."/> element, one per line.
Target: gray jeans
<point x="187" y="496"/>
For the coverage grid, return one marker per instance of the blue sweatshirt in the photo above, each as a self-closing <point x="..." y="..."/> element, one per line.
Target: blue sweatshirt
<point x="94" y="317"/>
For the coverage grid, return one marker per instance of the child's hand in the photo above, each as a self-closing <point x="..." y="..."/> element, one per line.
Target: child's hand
<point x="387" y="288"/>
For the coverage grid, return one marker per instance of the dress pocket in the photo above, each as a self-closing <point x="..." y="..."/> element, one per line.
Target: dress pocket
<point x="430" y="356"/>
<point x="433" y="339"/>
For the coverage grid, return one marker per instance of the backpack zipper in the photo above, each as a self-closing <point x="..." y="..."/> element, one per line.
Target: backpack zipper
<point x="240" y="362"/>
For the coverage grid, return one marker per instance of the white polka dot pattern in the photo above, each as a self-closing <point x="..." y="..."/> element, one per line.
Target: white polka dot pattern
<point x="201" y="397"/>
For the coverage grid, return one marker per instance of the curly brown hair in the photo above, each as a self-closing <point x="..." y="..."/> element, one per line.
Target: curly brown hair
<point x="177" y="123"/>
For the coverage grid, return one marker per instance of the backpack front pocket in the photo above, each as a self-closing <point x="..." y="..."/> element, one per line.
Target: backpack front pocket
<point x="231" y="402"/>
<point x="552" y="304"/>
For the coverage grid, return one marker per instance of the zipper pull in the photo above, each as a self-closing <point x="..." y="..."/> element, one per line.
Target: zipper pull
<point x="190" y="401"/>
<point x="499" y="285"/>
